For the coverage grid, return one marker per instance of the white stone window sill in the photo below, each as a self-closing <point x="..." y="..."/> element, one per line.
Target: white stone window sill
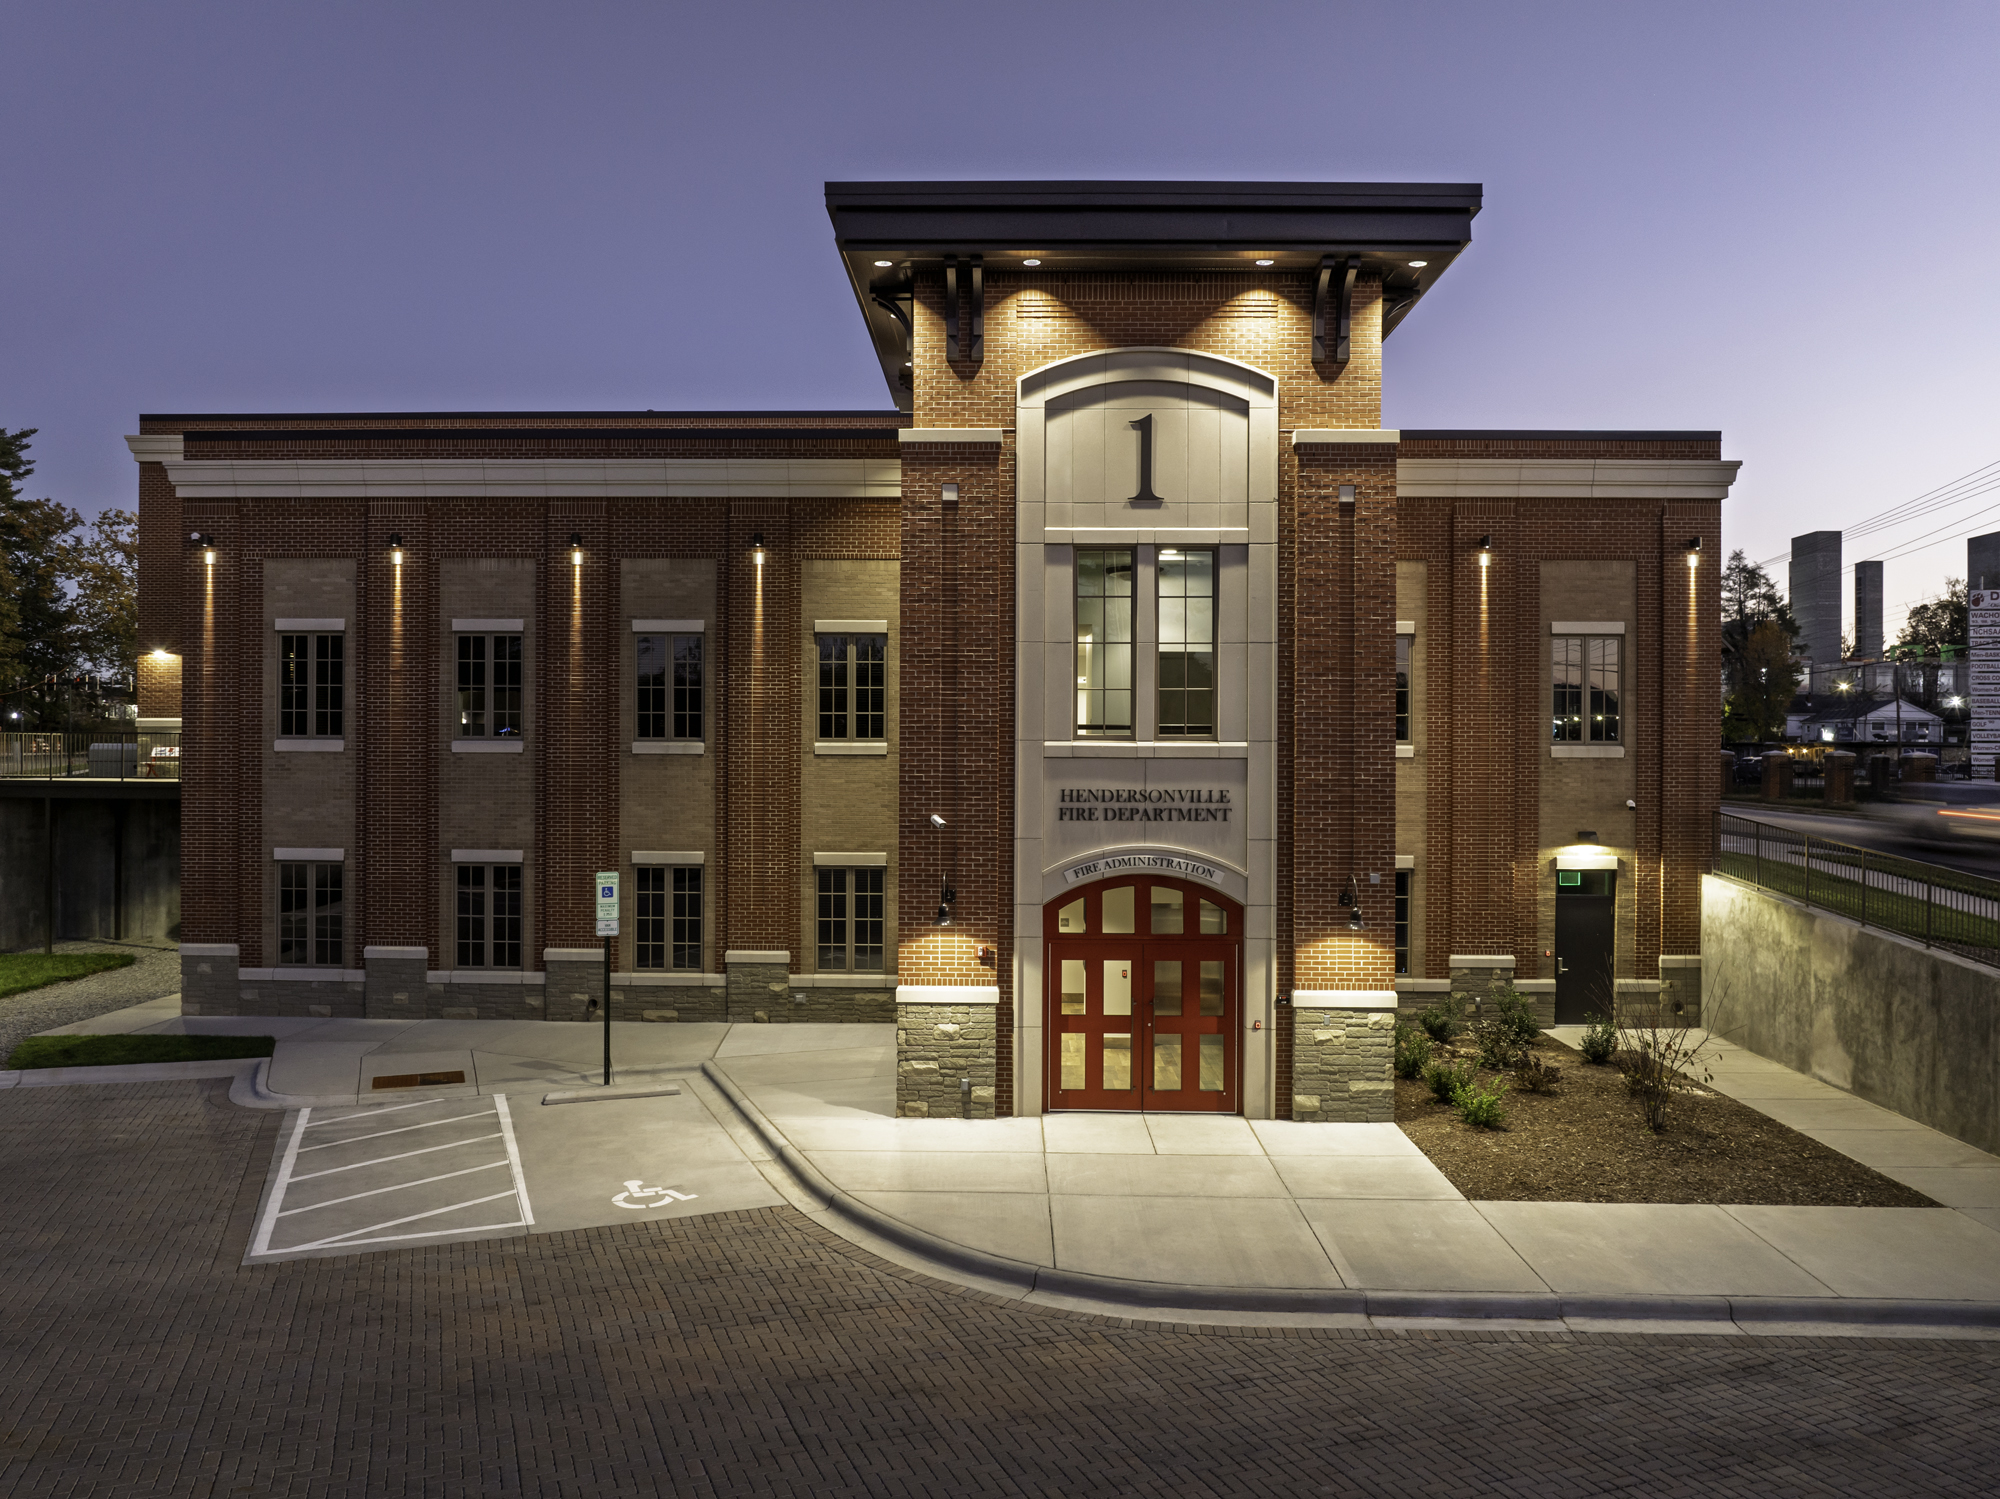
<point x="485" y="976"/>
<point x="664" y="978"/>
<point x="843" y="981"/>
<point x="1587" y="751"/>
<point x="947" y="994"/>
<point x="309" y="746"/>
<point x="1406" y="752"/>
<point x="302" y="975"/>
<point x="487" y="746"/>
<point x="1144" y="749"/>
<point x="850" y="747"/>
<point x="669" y="747"/>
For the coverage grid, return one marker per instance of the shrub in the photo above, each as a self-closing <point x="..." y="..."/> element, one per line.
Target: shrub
<point x="1413" y="1051"/>
<point x="1499" y="1049"/>
<point x="1445" y="1079"/>
<point x="1442" y="1022"/>
<point x="1480" y="1106"/>
<point x="1516" y="1013"/>
<point x="1600" y="1040"/>
<point x="1537" y="1076"/>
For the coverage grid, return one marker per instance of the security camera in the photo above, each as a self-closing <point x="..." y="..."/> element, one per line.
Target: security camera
<point x="1631" y="806"/>
<point x="936" y="821"/>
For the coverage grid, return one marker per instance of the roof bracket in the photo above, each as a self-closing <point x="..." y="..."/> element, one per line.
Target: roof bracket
<point x="1335" y="281"/>
<point x="978" y="350"/>
<point x="951" y="307"/>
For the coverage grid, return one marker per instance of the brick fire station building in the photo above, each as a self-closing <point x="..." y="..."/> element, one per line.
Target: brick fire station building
<point x="1121" y="710"/>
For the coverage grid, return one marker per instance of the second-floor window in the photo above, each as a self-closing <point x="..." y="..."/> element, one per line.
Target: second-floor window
<point x="309" y="915"/>
<point x="489" y="686"/>
<point x="1403" y="644"/>
<point x="853" y="691"/>
<point x="1187" y="643"/>
<point x="1587" y="707"/>
<point x="1103" y="644"/>
<point x="670" y="702"/>
<point x="312" y="686"/>
<point x="850" y="920"/>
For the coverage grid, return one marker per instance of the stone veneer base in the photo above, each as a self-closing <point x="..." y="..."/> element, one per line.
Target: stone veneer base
<point x="1343" y="1066"/>
<point x="937" y="1048"/>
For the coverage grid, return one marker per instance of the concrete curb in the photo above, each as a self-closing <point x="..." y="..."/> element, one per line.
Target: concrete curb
<point x="1552" y="1308"/>
<point x="128" y="1072"/>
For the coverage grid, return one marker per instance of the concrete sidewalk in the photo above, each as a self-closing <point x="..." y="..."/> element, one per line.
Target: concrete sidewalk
<point x="1223" y="1218"/>
<point x="1223" y="1212"/>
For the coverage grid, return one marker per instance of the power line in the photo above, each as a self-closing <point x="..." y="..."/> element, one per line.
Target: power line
<point x="1967" y="486"/>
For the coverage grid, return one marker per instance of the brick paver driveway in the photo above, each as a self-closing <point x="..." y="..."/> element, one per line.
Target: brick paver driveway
<point x="752" y="1353"/>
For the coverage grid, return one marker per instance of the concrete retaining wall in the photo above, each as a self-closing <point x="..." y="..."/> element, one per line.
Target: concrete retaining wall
<point x="1914" y="1030"/>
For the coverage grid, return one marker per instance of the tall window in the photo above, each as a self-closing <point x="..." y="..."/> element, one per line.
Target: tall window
<point x="1187" y="644"/>
<point x="670" y="687"/>
<point x="312" y="686"/>
<point x="1584" y="674"/>
<point x="852" y="686"/>
<point x="669" y="915"/>
<point x="1103" y="644"/>
<point x="850" y="920"/>
<point x="489" y="686"/>
<point x="489" y="915"/>
<point x="1403" y="643"/>
<point x="309" y="916"/>
<point x="1402" y="921"/>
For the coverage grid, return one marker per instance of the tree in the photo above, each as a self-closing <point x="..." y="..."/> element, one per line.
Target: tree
<point x="1938" y="627"/>
<point x="35" y="637"/>
<point x="1766" y="681"/>
<point x="1749" y="601"/>
<point x="102" y="567"/>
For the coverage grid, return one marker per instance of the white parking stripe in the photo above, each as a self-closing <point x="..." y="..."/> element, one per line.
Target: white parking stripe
<point x="427" y="1124"/>
<point x="275" y="1208"/>
<point x="313" y="1207"/>
<point x="514" y="1157"/>
<point x="379" y="1160"/>
<point x="413" y="1218"/>
<point x="262" y="1243"/>
<point x="368" y="1113"/>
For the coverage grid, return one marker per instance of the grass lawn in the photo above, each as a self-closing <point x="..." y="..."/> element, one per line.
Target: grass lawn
<point x="115" y="1051"/>
<point x="22" y="971"/>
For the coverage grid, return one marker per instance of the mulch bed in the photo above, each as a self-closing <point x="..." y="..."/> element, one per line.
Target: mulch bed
<point x="1588" y="1142"/>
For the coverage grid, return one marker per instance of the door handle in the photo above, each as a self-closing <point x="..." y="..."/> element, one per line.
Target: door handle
<point x="1561" y="967"/>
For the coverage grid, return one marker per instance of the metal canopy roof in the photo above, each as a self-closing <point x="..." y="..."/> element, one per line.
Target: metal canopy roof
<point x="1140" y="225"/>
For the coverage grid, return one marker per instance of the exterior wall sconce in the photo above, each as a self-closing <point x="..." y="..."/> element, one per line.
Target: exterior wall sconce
<point x="396" y="548"/>
<point x="576" y="548"/>
<point x="1354" y="919"/>
<point x="1694" y="551"/>
<point x="206" y="543"/>
<point x="946" y="899"/>
<point x="757" y="549"/>
<point x="1486" y="551"/>
<point x="160" y="653"/>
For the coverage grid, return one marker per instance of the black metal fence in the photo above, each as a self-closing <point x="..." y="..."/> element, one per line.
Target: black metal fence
<point x="105" y="755"/>
<point x="1935" y="906"/>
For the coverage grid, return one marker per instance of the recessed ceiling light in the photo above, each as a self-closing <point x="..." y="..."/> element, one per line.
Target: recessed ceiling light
<point x="1418" y="265"/>
<point x="885" y="262"/>
<point x="1267" y="262"/>
<point x="1031" y="262"/>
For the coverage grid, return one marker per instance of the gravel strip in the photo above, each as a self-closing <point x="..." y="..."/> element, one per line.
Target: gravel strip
<point x="156" y="973"/>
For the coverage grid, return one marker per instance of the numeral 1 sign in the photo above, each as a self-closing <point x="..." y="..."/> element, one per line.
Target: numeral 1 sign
<point x="1145" y="496"/>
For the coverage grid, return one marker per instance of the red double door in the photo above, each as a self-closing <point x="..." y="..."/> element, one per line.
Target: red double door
<point x="1149" y="1018"/>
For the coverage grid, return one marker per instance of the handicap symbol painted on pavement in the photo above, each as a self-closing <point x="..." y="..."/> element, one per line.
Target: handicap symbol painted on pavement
<point x="660" y="1196"/>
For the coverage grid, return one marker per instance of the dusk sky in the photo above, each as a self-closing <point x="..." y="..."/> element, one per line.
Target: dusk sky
<point x="1775" y="219"/>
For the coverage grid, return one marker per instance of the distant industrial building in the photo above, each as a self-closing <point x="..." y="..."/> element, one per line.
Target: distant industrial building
<point x="1815" y="588"/>
<point x="1868" y="611"/>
